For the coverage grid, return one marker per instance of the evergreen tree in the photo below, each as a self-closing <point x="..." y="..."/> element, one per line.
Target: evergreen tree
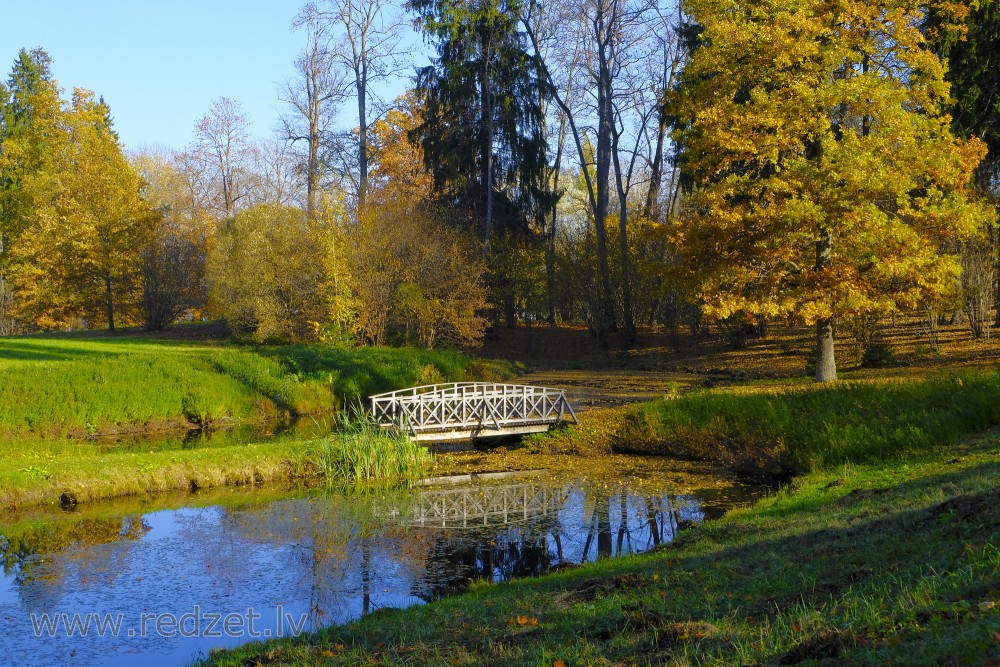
<point x="481" y="132"/>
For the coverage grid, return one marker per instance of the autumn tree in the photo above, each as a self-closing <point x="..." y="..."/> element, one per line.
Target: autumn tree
<point x="967" y="36"/>
<point x="313" y="95"/>
<point x="266" y="274"/>
<point x="173" y="259"/>
<point x="28" y="93"/>
<point x="222" y="143"/>
<point x="408" y="271"/>
<point x="825" y="174"/>
<point x="79" y="255"/>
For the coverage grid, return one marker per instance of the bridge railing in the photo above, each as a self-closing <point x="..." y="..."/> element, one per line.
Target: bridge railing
<point x="473" y="406"/>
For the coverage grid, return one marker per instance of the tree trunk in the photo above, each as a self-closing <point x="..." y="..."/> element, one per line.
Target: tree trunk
<point x="487" y="120"/>
<point x="110" y="303"/>
<point x="826" y="364"/>
<point x="656" y="175"/>
<point x="602" y="166"/>
<point x="628" y="317"/>
<point x="362" y="84"/>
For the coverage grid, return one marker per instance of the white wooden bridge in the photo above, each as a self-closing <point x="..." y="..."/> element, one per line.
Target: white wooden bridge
<point x="471" y="410"/>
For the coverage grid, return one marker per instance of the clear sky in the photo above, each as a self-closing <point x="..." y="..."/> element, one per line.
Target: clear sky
<point x="159" y="64"/>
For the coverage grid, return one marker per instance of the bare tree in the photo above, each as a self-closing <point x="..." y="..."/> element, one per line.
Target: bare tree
<point x="222" y="142"/>
<point x="367" y="46"/>
<point x="314" y="95"/>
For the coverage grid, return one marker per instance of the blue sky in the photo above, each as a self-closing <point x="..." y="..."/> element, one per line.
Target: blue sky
<point x="159" y="65"/>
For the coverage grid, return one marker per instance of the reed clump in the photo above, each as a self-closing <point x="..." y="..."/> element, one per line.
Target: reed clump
<point x="360" y="450"/>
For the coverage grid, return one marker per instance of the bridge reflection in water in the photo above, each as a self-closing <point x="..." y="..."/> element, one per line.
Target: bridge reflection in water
<point x="496" y="532"/>
<point x="333" y="556"/>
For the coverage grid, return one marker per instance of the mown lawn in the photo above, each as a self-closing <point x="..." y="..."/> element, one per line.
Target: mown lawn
<point x="55" y="393"/>
<point x="859" y="565"/>
<point x="62" y="386"/>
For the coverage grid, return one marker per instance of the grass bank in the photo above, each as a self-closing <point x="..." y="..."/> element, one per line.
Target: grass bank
<point x="55" y="393"/>
<point x="55" y="387"/>
<point x="34" y="474"/>
<point x="779" y="430"/>
<point x="859" y="565"/>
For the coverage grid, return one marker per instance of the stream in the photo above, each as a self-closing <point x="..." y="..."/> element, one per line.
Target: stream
<point x="129" y="583"/>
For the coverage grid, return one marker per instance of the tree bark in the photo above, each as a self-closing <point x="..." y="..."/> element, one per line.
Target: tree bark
<point x="826" y="364"/>
<point x="603" y="32"/>
<point x="361" y="79"/>
<point x="109" y="303"/>
<point x="487" y="121"/>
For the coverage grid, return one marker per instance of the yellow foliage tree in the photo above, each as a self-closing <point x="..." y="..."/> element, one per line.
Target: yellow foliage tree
<point x="78" y="256"/>
<point x="266" y="274"/>
<point x="825" y="176"/>
<point x="406" y="268"/>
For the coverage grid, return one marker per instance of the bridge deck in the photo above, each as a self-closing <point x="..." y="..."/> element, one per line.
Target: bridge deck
<point x="470" y="410"/>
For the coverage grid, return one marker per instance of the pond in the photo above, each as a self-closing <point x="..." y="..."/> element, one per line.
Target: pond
<point x="127" y="584"/>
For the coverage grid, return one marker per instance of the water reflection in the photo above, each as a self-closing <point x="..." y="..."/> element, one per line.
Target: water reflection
<point x="329" y="557"/>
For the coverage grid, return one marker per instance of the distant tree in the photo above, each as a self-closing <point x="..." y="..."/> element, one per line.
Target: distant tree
<point x="408" y="271"/>
<point x="481" y="131"/>
<point x="222" y="142"/>
<point x="29" y="85"/>
<point x="967" y="36"/>
<point x="173" y="260"/>
<point x="313" y="95"/>
<point x="826" y="178"/>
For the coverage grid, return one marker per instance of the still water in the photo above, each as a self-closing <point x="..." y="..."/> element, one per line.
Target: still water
<point x="167" y="586"/>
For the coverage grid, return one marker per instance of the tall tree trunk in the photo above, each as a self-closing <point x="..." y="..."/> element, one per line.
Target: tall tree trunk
<point x="109" y="302"/>
<point x="361" y="78"/>
<point x="826" y="364"/>
<point x="602" y="168"/>
<point x="656" y="175"/>
<point x="628" y="317"/>
<point x="487" y="157"/>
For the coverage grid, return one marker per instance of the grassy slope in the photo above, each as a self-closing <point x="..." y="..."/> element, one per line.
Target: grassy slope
<point x="773" y="429"/>
<point x="59" y="386"/>
<point x="860" y="565"/>
<point x="54" y="387"/>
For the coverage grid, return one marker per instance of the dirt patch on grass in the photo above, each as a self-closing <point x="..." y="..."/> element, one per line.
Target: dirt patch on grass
<point x="824" y="646"/>
<point x="973" y="508"/>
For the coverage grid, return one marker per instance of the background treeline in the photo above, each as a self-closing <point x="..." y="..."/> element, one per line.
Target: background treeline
<point x="612" y="162"/>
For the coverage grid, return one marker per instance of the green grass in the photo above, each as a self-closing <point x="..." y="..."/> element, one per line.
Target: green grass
<point x="59" y="386"/>
<point x="779" y="431"/>
<point x="871" y="564"/>
<point x="52" y="389"/>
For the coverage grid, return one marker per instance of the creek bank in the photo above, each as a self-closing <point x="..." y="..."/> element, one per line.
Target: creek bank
<point x="854" y="565"/>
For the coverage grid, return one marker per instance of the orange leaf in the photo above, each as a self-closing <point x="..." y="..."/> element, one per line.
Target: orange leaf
<point x="796" y="627"/>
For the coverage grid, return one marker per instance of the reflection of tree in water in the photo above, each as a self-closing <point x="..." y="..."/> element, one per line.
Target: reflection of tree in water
<point x="616" y="521"/>
<point x="21" y="551"/>
<point x="345" y="555"/>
